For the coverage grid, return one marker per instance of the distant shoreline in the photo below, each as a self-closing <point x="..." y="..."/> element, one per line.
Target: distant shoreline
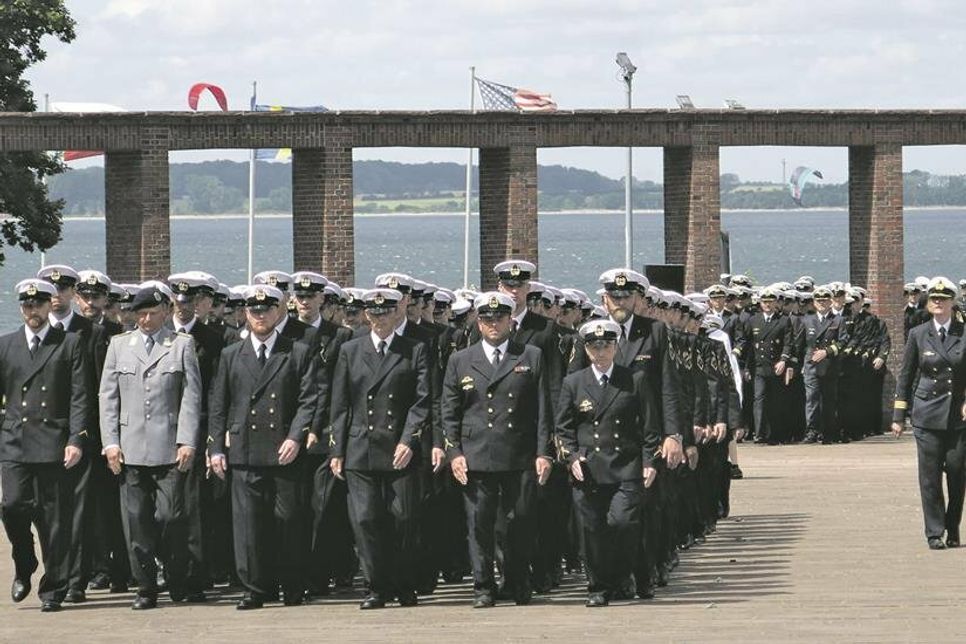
<point x="379" y="215"/>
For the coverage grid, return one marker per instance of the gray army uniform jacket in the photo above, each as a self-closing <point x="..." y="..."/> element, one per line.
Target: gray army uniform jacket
<point x="149" y="405"/>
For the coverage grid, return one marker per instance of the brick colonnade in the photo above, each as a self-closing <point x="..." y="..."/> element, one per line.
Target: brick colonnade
<point x="876" y="240"/>
<point x="692" y="209"/>
<point x="322" y="226"/>
<point x="137" y="225"/>
<point x="508" y="207"/>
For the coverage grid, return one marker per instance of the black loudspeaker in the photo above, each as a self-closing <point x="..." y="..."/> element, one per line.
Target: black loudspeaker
<point x="667" y="277"/>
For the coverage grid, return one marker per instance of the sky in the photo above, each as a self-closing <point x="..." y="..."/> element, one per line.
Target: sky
<point x="416" y="55"/>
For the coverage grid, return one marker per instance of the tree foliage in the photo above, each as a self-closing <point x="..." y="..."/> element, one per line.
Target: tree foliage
<point x="32" y="220"/>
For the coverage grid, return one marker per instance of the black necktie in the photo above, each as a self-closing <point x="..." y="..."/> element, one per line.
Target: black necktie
<point x="34" y="345"/>
<point x="59" y="325"/>
<point x="942" y="335"/>
<point x="149" y="344"/>
<point x="623" y="335"/>
<point x="261" y="355"/>
<point x="603" y="380"/>
<point x="496" y="357"/>
<point x="381" y="349"/>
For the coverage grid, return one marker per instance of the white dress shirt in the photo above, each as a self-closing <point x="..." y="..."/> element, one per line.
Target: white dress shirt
<point x="489" y="350"/>
<point x="269" y="344"/>
<point x="66" y="320"/>
<point x="599" y="374"/>
<point x="376" y="339"/>
<point x="40" y="334"/>
<point x="186" y="328"/>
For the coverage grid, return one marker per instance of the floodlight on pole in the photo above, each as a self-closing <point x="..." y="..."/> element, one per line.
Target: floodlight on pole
<point x="627" y="74"/>
<point x="684" y="102"/>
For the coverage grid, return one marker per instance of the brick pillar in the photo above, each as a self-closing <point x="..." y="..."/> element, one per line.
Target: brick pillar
<point x="137" y="226"/>
<point x="692" y="210"/>
<point x="876" y="259"/>
<point x="508" y="207"/>
<point x="322" y="226"/>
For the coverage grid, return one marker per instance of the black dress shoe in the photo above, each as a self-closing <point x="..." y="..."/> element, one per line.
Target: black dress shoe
<point x="99" y="582"/>
<point x="177" y="595"/>
<point x="936" y="543"/>
<point x="952" y="543"/>
<point x="408" y="599"/>
<point x="144" y="603"/>
<point x="736" y="472"/>
<point x="118" y="588"/>
<point x="645" y="592"/>
<point x="483" y="600"/>
<point x="371" y="601"/>
<point x="49" y="606"/>
<point x="249" y="602"/>
<point x="75" y="596"/>
<point x="293" y="599"/>
<point x="597" y="600"/>
<point x="20" y="589"/>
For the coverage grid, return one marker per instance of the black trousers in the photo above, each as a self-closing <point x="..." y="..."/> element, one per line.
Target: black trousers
<point x="197" y="572"/>
<point x="384" y="512"/>
<point x="80" y="477"/>
<point x="514" y="495"/>
<point x="267" y="521"/>
<point x="105" y="545"/>
<point x="553" y="511"/>
<point x="153" y="515"/>
<point x="42" y="494"/>
<point x="769" y="400"/>
<point x="216" y="527"/>
<point x="331" y="555"/>
<point x="610" y="531"/>
<point x="940" y="451"/>
<point x="821" y="403"/>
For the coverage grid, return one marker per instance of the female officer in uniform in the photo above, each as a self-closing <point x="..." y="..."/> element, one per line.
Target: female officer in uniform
<point x="935" y="351"/>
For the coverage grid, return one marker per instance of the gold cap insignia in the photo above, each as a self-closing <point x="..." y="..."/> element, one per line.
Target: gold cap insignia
<point x="183" y="287"/>
<point x="32" y="290"/>
<point x="585" y="405"/>
<point x="305" y="281"/>
<point x="393" y="282"/>
<point x="259" y="295"/>
<point x="599" y="331"/>
<point x="55" y="275"/>
<point x="350" y="299"/>
<point x="514" y="270"/>
<point x="379" y="299"/>
<point x="494" y="302"/>
<point x="92" y="279"/>
<point x="157" y="296"/>
<point x="620" y="279"/>
<point x="273" y="280"/>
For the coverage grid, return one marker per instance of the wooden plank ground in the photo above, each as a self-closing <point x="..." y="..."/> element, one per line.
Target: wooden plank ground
<point x="825" y="543"/>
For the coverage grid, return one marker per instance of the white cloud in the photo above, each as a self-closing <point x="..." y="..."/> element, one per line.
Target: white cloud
<point x="415" y="54"/>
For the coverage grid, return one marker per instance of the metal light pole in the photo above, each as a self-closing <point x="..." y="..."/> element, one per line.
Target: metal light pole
<point x="627" y="74"/>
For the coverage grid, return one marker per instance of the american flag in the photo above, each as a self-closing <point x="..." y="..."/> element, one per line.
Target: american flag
<point x="500" y="98"/>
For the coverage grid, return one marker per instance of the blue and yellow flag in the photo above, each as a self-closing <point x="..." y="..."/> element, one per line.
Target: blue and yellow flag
<point x="281" y="154"/>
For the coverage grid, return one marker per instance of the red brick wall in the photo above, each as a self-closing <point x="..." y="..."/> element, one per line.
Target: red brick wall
<point x="322" y="225"/>
<point x="508" y="208"/>
<point x="138" y="244"/>
<point x="692" y="210"/>
<point x="876" y="259"/>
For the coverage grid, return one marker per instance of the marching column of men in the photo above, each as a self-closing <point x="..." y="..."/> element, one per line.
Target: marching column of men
<point x="266" y="435"/>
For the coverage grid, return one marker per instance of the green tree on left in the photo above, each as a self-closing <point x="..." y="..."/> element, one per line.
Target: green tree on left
<point x="31" y="220"/>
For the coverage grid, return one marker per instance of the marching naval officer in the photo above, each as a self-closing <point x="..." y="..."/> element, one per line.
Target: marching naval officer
<point x="150" y="410"/>
<point x="45" y="383"/>
<point x="496" y="422"/>
<point x="381" y="401"/>
<point x="264" y="400"/>
<point x="609" y="428"/>
<point x="936" y="352"/>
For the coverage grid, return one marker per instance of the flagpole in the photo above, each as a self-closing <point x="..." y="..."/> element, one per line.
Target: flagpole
<point x="251" y="199"/>
<point x="469" y="189"/>
<point x="43" y="255"/>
